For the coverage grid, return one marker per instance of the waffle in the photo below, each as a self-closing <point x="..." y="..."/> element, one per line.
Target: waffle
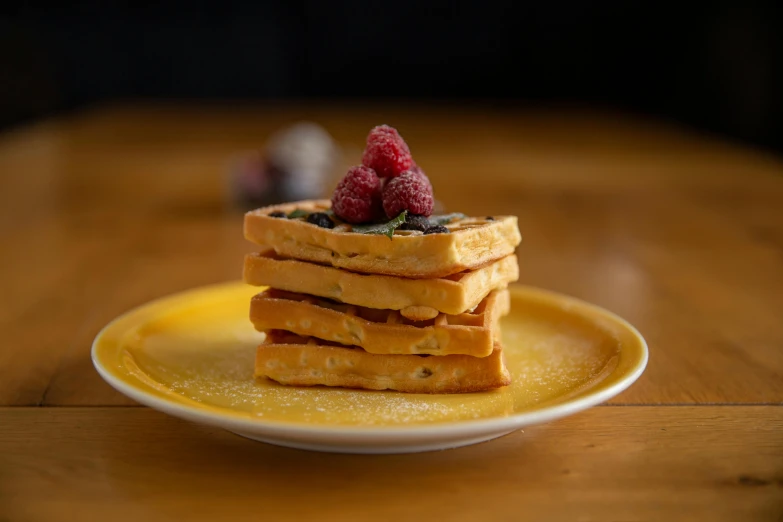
<point x="417" y="299"/>
<point x="381" y="331"/>
<point x="472" y="243"/>
<point x="294" y="360"/>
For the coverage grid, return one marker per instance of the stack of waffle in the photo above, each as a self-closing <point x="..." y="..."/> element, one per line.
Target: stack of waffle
<point x="415" y="313"/>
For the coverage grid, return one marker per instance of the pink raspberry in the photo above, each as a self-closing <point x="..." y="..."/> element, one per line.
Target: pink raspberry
<point x="408" y="191"/>
<point x="386" y="152"/>
<point x="383" y="130"/>
<point x="417" y="170"/>
<point x="357" y="198"/>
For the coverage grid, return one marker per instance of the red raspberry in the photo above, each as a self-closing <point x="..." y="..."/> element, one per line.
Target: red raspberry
<point x="386" y="152"/>
<point x="383" y="130"/>
<point x="408" y="191"/>
<point x="357" y="198"/>
<point x="417" y="170"/>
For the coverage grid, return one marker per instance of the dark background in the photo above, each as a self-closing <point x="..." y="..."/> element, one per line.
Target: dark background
<point x="714" y="66"/>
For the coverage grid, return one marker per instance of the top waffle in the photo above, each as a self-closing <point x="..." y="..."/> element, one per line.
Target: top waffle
<point x="472" y="242"/>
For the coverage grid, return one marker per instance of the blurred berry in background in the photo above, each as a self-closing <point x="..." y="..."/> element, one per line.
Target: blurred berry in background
<point x="297" y="162"/>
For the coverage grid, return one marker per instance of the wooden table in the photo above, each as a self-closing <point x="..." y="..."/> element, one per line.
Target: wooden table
<point x="682" y="235"/>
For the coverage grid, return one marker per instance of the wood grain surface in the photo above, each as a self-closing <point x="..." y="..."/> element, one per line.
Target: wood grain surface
<point x="609" y="463"/>
<point x="679" y="233"/>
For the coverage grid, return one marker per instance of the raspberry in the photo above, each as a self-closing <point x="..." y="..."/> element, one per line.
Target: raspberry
<point x="408" y="191"/>
<point x="386" y="152"/>
<point x="382" y="130"/>
<point x="357" y="197"/>
<point x="417" y="170"/>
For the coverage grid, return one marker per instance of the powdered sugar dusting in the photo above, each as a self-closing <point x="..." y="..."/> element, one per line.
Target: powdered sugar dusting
<point x="208" y="358"/>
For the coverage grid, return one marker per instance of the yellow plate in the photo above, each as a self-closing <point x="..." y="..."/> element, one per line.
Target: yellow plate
<point x="191" y="355"/>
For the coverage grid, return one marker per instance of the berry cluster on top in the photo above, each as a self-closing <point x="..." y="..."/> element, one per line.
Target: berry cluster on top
<point x="387" y="182"/>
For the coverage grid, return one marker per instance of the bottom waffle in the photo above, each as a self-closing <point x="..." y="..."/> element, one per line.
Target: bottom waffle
<point x="304" y="361"/>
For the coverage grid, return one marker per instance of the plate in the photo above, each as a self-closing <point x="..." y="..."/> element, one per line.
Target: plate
<point x="191" y="355"/>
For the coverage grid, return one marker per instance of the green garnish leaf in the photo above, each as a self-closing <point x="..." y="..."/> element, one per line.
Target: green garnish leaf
<point x="446" y="218"/>
<point x="298" y="213"/>
<point x="387" y="229"/>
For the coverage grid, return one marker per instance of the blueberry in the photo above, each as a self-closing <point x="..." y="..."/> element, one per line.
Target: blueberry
<point x="320" y="219"/>
<point x="277" y="214"/>
<point x="490" y="218"/>
<point x="415" y="222"/>
<point x="437" y="229"/>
